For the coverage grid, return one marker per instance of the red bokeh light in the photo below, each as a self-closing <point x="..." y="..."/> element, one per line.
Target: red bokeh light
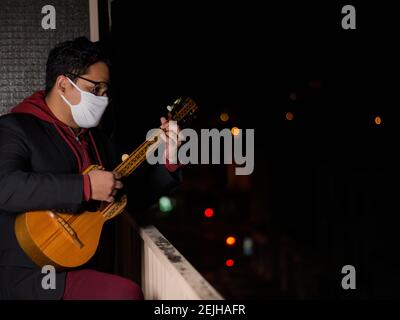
<point x="208" y="213"/>
<point x="229" y="263"/>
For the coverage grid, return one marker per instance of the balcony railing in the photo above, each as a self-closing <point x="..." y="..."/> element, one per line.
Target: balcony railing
<point x="163" y="273"/>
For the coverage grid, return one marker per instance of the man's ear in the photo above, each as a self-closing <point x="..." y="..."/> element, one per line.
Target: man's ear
<point x="61" y="83"/>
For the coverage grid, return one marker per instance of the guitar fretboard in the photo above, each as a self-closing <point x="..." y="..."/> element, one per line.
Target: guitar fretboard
<point x="137" y="157"/>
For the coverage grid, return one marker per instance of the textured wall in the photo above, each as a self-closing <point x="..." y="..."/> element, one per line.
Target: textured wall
<point x="24" y="44"/>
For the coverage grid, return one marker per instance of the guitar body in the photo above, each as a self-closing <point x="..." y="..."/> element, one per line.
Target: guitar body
<point x="63" y="240"/>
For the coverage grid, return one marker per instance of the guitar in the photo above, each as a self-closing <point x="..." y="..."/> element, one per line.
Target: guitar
<point x="68" y="240"/>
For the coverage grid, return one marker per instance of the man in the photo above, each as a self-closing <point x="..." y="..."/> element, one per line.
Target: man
<point x="45" y="144"/>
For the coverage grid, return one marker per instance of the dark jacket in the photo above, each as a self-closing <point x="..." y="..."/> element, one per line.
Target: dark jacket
<point x="40" y="168"/>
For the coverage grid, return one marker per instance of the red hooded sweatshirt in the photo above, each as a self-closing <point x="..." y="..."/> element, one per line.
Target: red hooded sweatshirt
<point x="79" y="143"/>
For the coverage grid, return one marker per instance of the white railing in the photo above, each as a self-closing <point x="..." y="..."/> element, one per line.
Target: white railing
<point x="166" y="274"/>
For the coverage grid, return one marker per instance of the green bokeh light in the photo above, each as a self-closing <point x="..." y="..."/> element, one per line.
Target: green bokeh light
<point x="165" y="204"/>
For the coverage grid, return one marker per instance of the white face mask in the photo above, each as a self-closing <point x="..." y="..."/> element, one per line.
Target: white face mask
<point x="88" y="112"/>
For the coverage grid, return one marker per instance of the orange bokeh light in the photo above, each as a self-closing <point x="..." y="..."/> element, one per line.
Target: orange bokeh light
<point x="230" y="241"/>
<point x="235" y="131"/>
<point x="289" y="116"/>
<point x="224" y="117"/>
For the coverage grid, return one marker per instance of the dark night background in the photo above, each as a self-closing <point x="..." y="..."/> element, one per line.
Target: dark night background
<point x="324" y="189"/>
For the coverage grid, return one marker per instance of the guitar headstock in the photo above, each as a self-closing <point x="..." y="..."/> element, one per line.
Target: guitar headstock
<point x="183" y="110"/>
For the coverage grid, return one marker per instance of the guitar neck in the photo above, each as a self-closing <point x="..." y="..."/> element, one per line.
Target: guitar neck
<point x="137" y="157"/>
<point x="182" y="110"/>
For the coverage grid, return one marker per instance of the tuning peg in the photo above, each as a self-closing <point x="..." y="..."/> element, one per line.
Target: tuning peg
<point x="169" y="108"/>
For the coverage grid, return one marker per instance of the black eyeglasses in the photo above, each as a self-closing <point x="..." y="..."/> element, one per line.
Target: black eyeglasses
<point x="100" y="88"/>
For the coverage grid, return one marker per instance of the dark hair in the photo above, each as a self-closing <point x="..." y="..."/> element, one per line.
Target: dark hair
<point x="74" y="56"/>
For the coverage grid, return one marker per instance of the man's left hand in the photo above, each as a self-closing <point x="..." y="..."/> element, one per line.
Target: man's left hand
<point x="171" y="137"/>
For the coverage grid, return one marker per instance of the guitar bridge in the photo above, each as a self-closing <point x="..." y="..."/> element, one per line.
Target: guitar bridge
<point x="68" y="229"/>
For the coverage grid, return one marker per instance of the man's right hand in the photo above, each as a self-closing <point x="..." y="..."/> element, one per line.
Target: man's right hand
<point x="104" y="185"/>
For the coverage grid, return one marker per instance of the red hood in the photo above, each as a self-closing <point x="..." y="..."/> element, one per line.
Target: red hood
<point x="36" y="105"/>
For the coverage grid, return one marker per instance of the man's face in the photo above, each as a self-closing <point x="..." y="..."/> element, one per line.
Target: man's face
<point x="97" y="72"/>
